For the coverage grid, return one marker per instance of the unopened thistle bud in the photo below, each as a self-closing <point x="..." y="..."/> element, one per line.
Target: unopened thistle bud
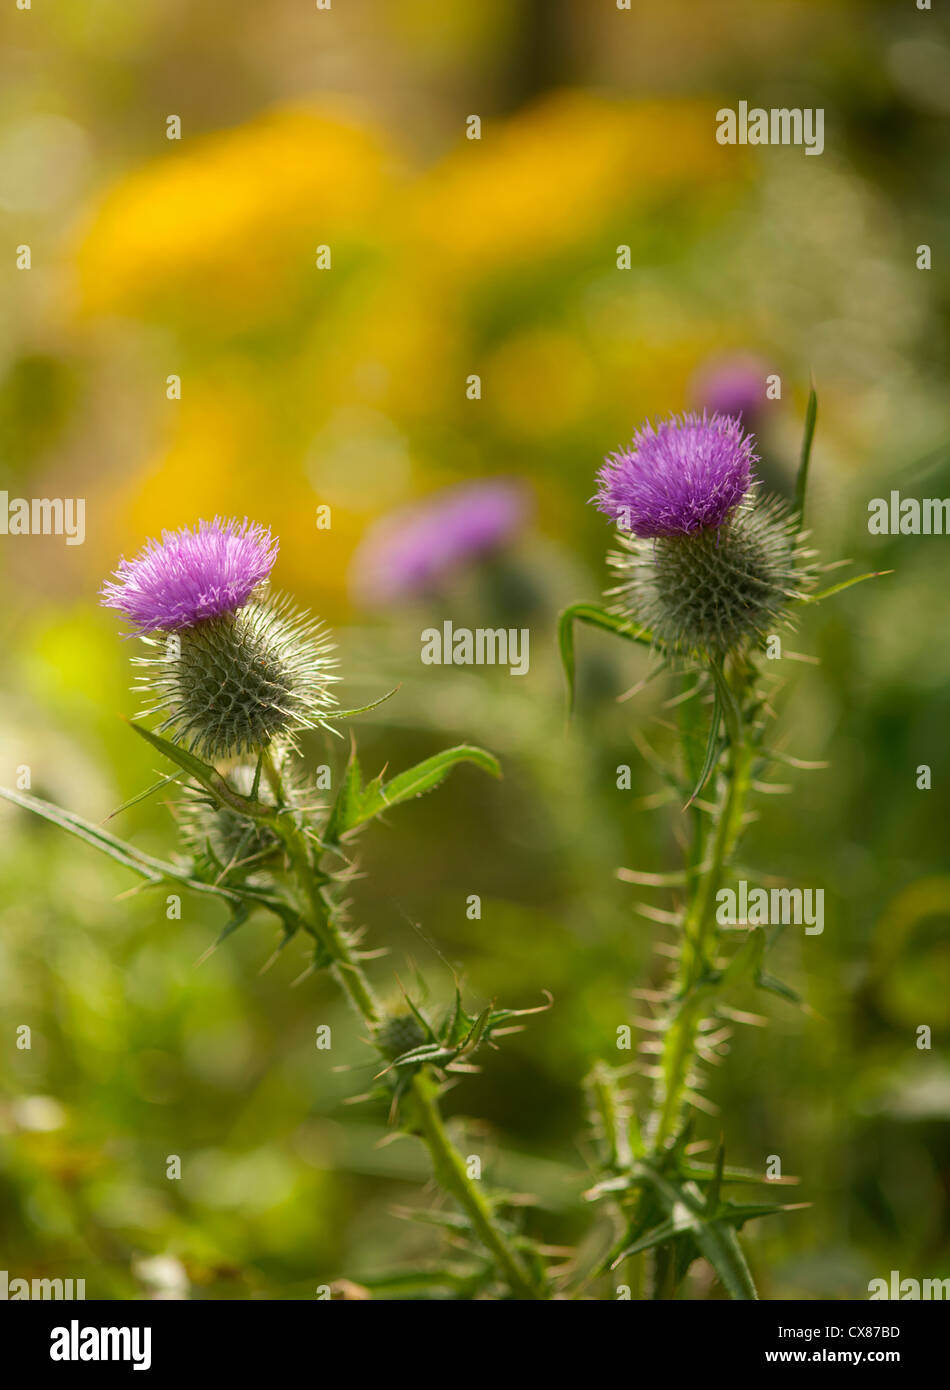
<point x="399" y="1034"/>
<point x="232" y="668"/>
<point x="232" y="841"/>
<point x="704" y="563"/>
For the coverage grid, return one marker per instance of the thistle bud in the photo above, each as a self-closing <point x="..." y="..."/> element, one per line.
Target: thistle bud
<point x="399" y="1034"/>
<point x="233" y="841"/>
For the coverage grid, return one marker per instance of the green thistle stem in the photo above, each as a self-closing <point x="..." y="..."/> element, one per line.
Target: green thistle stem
<point x="451" y="1173"/>
<point x="448" y="1164"/>
<point x="266" y="761"/>
<point x="700" y="937"/>
<point x="328" y="932"/>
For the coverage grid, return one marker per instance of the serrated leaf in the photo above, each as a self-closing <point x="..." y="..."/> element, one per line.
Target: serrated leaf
<point x="425" y="1054"/>
<point x="659" y="1235"/>
<point x="420" y="1017"/>
<point x="594" y="616"/>
<point x="719" y="1244"/>
<point x="474" y="1035"/>
<point x="145" y="865"/>
<point x="355" y="805"/>
<point x="154" y="870"/>
<point x="713" y="1233"/>
<point x="207" y="776"/>
<point x="731" y="712"/>
<point x="459" y="1021"/>
<point x="714" y="747"/>
<point x="736" y="1214"/>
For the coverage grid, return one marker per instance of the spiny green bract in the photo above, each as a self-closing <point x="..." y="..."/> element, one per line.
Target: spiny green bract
<point x="235" y="684"/>
<point x="231" y="840"/>
<point x="720" y="589"/>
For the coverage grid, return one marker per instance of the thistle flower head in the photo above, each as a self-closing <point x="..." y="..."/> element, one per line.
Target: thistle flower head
<point x="684" y="475"/>
<point x="231" y="668"/>
<point x="191" y="576"/>
<point x="703" y="563"/>
<point x="410" y="550"/>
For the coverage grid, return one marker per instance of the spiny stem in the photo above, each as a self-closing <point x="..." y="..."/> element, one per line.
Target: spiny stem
<point x="452" y="1174"/>
<point x="448" y="1163"/>
<point x="699" y="929"/>
<point x="345" y="968"/>
<point x="698" y="950"/>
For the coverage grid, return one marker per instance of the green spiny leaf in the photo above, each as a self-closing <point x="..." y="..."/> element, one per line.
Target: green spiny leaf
<point x="207" y="776"/>
<point x="355" y="804"/>
<point x="719" y="1245"/>
<point x="714" y="747"/>
<point x="154" y="870"/>
<point x="594" y="616"/>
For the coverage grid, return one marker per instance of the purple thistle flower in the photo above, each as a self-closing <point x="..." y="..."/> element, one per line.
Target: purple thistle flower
<point x="192" y="575"/>
<point x="731" y="385"/>
<point x="684" y="475"/>
<point x="410" y="550"/>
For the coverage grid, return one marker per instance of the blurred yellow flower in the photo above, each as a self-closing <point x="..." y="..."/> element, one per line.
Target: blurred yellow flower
<point x="549" y="176"/>
<point x="229" y="224"/>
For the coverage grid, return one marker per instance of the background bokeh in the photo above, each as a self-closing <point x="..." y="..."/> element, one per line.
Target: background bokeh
<point x="345" y="387"/>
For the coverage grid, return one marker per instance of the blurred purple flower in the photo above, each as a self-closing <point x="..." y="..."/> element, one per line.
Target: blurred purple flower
<point x="192" y="575"/>
<point x="410" y="550"/>
<point x="683" y="475"/>
<point x="731" y="385"/>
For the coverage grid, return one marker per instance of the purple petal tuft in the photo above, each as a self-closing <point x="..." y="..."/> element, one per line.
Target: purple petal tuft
<point x="192" y="575"/>
<point x="683" y="475"/>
